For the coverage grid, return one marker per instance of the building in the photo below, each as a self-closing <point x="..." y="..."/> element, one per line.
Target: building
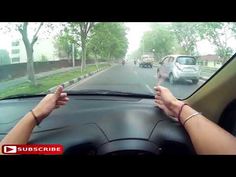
<point x="43" y="51"/>
<point x="210" y="60"/>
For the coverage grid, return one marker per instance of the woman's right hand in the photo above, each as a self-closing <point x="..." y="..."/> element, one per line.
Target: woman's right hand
<point x="166" y="101"/>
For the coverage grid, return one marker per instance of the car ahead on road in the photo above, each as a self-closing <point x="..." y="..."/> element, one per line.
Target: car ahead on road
<point x="146" y="61"/>
<point x="179" y="67"/>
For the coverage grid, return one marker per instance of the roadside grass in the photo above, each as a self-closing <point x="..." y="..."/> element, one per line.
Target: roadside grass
<point x="47" y="82"/>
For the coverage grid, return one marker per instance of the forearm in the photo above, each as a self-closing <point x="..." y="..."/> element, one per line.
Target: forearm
<point x="206" y="136"/>
<point x="20" y="134"/>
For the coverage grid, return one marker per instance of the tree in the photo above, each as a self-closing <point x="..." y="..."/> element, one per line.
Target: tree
<point x="109" y="41"/>
<point x="136" y="54"/>
<point x="187" y="36"/>
<point x="4" y="57"/>
<point x="79" y="33"/>
<point x="29" y="46"/>
<point x="63" y="45"/>
<point x="161" y="39"/>
<point x="24" y="30"/>
<point x="218" y="33"/>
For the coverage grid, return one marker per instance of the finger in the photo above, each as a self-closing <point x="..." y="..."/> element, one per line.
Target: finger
<point x="63" y="94"/>
<point x="61" y="103"/>
<point x="160" y="88"/>
<point x="63" y="99"/>
<point x="160" y="106"/>
<point x="157" y="97"/>
<point x="157" y="87"/>
<point x="59" y="91"/>
<point x="159" y="101"/>
<point x="57" y="106"/>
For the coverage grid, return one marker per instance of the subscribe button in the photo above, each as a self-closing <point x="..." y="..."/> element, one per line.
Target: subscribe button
<point x="44" y="149"/>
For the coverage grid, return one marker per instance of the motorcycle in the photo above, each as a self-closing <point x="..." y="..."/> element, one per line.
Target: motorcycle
<point x="123" y="62"/>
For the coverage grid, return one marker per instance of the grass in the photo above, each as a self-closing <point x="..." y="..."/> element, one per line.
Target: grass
<point x="47" y="82"/>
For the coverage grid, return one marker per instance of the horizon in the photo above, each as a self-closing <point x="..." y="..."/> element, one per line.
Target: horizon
<point x="134" y="35"/>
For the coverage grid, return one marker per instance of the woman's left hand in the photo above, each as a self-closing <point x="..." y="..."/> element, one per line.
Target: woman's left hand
<point x="50" y="102"/>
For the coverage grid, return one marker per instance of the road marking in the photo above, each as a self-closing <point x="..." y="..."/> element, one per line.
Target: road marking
<point x="149" y="88"/>
<point x="86" y="79"/>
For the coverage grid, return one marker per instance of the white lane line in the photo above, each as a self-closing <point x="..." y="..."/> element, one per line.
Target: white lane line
<point x="149" y="88"/>
<point x="86" y="79"/>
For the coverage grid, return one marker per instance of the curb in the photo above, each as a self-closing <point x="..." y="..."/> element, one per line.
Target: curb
<point x="71" y="82"/>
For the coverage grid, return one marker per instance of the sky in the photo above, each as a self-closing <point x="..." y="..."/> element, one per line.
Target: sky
<point x="137" y="29"/>
<point x="135" y="32"/>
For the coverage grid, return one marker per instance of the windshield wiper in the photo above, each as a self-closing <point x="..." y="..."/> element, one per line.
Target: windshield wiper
<point x="108" y="93"/>
<point x="25" y="95"/>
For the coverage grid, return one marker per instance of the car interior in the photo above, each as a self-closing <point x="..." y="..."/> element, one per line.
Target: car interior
<point x="98" y="124"/>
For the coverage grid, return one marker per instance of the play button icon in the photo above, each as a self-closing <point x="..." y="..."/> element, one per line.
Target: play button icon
<point x="9" y="149"/>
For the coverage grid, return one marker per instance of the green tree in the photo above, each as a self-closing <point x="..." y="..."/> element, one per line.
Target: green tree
<point x="63" y="45"/>
<point x="161" y="39"/>
<point x="136" y="54"/>
<point x="79" y="33"/>
<point x="108" y="41"/>
<point x="4" y="57"/>
<point x="44" y="58"/>
<point x="187" y="36"/>
<point x="218" y="34"/>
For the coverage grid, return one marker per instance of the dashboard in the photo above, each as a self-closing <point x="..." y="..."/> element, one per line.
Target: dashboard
<point x="102" y="125"/>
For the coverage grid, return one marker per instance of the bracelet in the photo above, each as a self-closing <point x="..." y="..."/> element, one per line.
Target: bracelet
<point x="181" y="111"/>
<point x="191" y="116"/>
<point x="35" y="118"/>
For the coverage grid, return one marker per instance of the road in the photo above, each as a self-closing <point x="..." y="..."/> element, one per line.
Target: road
<point x="131" y="78"/>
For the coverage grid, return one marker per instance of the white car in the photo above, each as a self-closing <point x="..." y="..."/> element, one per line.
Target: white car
<point x="179" y="67"/>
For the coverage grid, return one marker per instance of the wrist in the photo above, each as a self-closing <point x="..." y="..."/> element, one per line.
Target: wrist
<point x="176" y="106"/>
<point x="39" y="114"/>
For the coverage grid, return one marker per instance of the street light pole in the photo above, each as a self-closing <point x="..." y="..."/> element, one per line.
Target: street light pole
<point x="143" y="46"/>
<point x="73" y="54"/>
<point x="153" y="50"/>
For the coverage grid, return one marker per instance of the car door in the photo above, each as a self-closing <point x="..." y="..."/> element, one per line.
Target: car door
<point x="169" y="66"/>
<point x="164" y="71"/>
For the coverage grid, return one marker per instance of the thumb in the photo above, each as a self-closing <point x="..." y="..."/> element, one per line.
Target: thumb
<point x="58" y="91"/>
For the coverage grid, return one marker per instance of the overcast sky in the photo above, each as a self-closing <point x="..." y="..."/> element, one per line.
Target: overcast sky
<point x="135" y="32"/>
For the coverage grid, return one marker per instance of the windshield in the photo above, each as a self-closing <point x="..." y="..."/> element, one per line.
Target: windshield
<point x="111" y="57"/>
<point x="186" y="60"/>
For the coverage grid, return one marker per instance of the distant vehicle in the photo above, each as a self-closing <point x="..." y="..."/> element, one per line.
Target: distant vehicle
<point x="123" y="62"/>
<point x="179" y="67"/>
<point x="146" y="61"/>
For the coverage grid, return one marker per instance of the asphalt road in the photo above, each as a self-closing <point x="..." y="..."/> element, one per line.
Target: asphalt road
<point x="131" y="78"/>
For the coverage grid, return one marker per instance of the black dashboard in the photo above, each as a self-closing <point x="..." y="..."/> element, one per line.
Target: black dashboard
<point x="102" y="125"/>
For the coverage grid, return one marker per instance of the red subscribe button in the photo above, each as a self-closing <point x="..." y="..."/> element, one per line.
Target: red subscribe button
<point x="44" y="149"/>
